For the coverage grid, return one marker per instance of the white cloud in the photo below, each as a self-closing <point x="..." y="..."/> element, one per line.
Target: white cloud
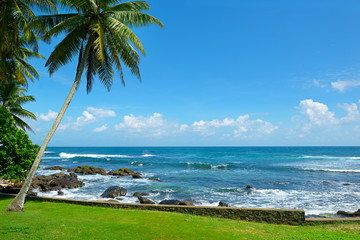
<point x="51" y="115"/>
<point x="153" y="125"/>
<point x="102" y="113"/>
<point x="101" y="129"/>
<point x="341" y="86"/>
<point x="243" y="126"/>
<point x="316" y="115"/>
<point x="81" y="121"/>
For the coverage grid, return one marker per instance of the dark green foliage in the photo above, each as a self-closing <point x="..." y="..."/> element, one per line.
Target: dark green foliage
<point x="17" y="152"/>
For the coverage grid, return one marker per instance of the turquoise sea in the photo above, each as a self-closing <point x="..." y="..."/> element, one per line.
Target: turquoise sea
<point x="320" y="180"/>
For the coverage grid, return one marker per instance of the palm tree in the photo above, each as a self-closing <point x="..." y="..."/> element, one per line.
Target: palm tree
<point x="12" y="96"/>
<point x="18" y="40"/>
<point x="101" y="36"/>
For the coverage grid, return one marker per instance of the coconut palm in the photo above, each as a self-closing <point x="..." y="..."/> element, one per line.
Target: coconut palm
<point x="12" y="96"/>
<point x="18" y="40"/>
<point x="99" y="33"/>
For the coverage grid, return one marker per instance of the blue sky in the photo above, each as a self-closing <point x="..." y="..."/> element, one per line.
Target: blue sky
<point x="221" y="73"/>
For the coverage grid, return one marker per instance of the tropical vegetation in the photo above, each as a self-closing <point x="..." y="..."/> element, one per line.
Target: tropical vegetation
<point x="12" y="96"/>
<point x="17" y="153"/>
<point x="99" y="33"/>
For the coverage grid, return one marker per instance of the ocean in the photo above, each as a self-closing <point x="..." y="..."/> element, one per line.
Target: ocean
<point x="320" y="180"/>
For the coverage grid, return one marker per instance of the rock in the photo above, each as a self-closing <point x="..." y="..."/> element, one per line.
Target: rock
<point x="326" y="182"/>
<point x="186" y="203"/>
<point x="346" y="184"/>
<point x="249" y="187"/>
<point x="86" y="170"/>
<point x="349" y="214"/>
<point x="60" y="193"/>
<point x="113" y="192"/>
<point x="145" y="200"/>
<point x="170" y="202"/>
<point x="56" y="168"/>
<point x="136" y="176"/>
<point x="155" y="179"/>
<point x="138" y="194"/>
<point x="222" y="204"/>
<point x="123" y="172"/>
<point x="56" y="181"/>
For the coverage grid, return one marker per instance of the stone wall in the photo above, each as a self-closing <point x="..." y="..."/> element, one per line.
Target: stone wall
<point x="276" y="216"/>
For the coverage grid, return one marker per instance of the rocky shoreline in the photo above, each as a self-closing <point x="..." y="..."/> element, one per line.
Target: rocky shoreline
<point x="61" y="180"/>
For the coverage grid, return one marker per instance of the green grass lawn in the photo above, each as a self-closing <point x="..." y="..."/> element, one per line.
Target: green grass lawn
<point x="44" y="220"/>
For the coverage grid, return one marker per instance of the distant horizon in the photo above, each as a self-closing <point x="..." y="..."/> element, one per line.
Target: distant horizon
<point x="196" y="146"/>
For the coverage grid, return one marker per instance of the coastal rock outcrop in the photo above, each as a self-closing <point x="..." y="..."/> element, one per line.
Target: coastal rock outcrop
<point x="136" y="175"/>
<point x="138" y="194"/>
<point x="56" y="181"/>
<point x="145" y="200"/>
<point x="56" y="168"/>
<point x="249" y="187"/>
<point x="350" y="214"/>
<point x="155" y="179"/>
<point x="124" y="172"/>
<point x="176" y="202"/>
<point x="87" y="170"/>
<point x="113" y="192"/>
<point x="223" y="204"/>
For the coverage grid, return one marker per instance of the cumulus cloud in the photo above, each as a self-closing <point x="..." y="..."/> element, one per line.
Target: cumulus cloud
<point x="243" y="126"/>
<point x="81" y="121"/>
<point x="50" y="115"/>
<point x="102" y="113"/>
<point x="101" y="129"/>
<point x="316" y="115"/>
<point x="342" y="86"/>
<point x="154" y="125"/>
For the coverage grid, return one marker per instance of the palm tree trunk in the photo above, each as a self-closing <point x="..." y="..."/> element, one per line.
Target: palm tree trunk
<point x="17" y="205"/>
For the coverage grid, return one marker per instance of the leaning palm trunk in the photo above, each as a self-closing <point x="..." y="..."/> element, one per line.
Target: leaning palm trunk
<point x="17" y="205"/>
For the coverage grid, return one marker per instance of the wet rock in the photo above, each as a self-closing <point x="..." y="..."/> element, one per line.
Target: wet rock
<point x="56" y="181"/>
<point x="170" y="202"/>
<point x="186" y="203"/>
<point x="350" y="214"/>
<point x="136" y="176"/>
<point x="223" y="204"/>
<point x="113" y="192"/>
<point x="87" y="170"/>
<point x="249" y="187"/>
<point x="326" y="182"/>
<point x="56" y="168"/>
<point x="60" y="193"/>
<point x="145" y="200"/>
<point x="346" y="184"/>
<point x="123" y="172"/>
<point x="138" y="194"/>
<point x="155" y="179"/>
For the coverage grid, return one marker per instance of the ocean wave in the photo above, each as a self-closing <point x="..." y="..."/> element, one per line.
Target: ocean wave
<point x="329" y="157"/>
<point x="49" y="152"/>
<point x="208" y="166"/>
<point x="333" y="170"/>
<point x="106" y="156"/>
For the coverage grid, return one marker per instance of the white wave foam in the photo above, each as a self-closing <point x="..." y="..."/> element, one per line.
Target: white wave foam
<point x="333" y="170"/>
<point x="106" y="156"/>
<point x="207" y="165"/>
<point x="329" y="157"/>
<point x="49" y="152"/>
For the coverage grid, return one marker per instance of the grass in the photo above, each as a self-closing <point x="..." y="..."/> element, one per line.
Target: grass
<point x="44" y="220"/>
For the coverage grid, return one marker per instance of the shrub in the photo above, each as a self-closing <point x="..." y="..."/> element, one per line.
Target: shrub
<point x="17" y="153"/>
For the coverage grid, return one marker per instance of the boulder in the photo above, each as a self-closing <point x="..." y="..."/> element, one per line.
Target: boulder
<point x="170" y="202"/>
<point x="249" y="187"/>
<point x="60" y="193"/>
<point x="56" y="181"/>
<point x="138" y="194"/>
<point x="87" y="170"/>
<point x="56" y="168"/>
<point x="223" y="204"/>
<point x="136" y="176"/>
<point x="346" y="184"/>
<point x="113" y="192"/>
<point x="349" y="214"/>
<point x="123" y="172"/>
<point x="145" y="200"/>
<point x="186" y="203"/>
<point x="326" y="182"/>
<point x="155" y="179"/>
